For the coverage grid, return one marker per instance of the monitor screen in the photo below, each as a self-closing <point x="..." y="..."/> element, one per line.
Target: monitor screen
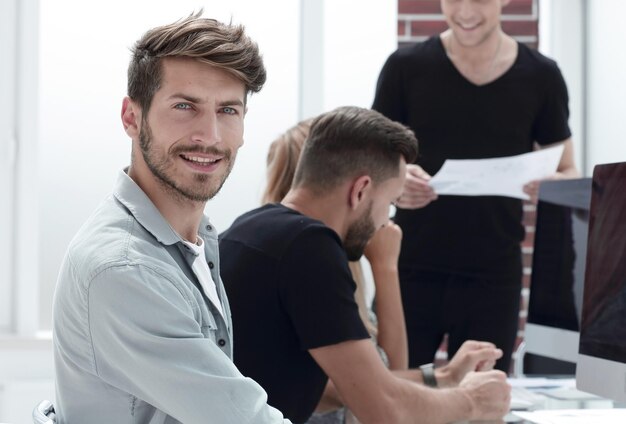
<point x="558" y="270"/>
<point x="602" y="353"/>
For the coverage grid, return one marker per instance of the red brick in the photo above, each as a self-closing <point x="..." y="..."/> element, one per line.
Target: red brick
<point x="515" y="7"/>
<point x="519" y="7"/>
<point x="401" y="28"/>
<point x="523" y="303"/>
<point x="527" y="260"/>
<point x="529" y="240"/>
<point x="420" y="7"/>
<point x="427" y="27"/>
<point x="529" y="219"/>
<point x="533" y="44"/>
<point x="514" y="28"/>
<point x="521" y="324"/>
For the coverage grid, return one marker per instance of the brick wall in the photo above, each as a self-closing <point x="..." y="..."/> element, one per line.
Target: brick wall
<point x="419" y="19"/>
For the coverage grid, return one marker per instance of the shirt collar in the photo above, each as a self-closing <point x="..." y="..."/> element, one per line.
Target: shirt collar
<point x="145" y="212"/>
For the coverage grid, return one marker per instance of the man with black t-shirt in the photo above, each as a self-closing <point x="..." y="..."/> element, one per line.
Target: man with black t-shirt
<point x="471" y="92"/>
<point x="285" y="269"/>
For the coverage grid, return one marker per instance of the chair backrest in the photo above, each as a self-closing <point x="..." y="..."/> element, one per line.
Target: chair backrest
<point x="44" y="413"/>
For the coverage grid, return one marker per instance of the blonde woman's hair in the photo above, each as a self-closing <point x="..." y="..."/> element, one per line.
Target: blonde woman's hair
<point x="282" y="159"/>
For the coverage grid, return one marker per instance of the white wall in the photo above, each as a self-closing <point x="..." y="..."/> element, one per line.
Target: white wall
<point x="606" y="68"/>
<point x="83" y="76"/>
<point x="8" y="50"/>
<point x="84" y="57"/>
<point x="594" y="69"/>
<point x="561" y="37"/>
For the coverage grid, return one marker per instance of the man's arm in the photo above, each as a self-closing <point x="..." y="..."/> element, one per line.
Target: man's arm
<point x="382" y="252"/>
<point x="567" y="166"/>
<point x="374" y="395"/>
<point x="147" y="342"/>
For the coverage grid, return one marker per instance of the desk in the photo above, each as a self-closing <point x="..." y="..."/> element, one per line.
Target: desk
<point x="560" y="395"/>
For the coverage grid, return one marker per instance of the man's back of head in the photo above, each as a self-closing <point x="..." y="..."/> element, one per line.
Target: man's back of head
<point x="351" y="141"/>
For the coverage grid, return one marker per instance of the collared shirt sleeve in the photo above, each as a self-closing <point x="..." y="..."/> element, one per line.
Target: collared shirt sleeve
<point x="147" y="341"/>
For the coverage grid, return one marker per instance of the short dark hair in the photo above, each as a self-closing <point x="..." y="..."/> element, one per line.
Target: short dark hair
<point x="351" y="141"/>
<point x="224" y="46"/>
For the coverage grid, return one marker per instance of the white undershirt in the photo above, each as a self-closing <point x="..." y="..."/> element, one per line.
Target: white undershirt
<point x="201" y="269"/>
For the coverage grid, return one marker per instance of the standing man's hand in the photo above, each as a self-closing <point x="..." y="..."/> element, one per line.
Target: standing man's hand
<point x="417" y="192"/>
<point x="565" y="170"/>
<point x="532" y="187"/>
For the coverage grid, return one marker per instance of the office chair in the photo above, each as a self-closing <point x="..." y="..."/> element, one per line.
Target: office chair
<point x="44" y="413"/>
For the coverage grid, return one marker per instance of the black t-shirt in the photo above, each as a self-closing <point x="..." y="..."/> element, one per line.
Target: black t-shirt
<point x="455" y="119"/>
<point x="290" y="290"/>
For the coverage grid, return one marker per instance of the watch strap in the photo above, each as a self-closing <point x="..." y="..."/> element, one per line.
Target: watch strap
<point x="428" y="374"/>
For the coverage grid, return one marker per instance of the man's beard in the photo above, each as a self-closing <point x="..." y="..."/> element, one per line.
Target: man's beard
<point x="359" y="234"/>
<point x="201" y="190"/>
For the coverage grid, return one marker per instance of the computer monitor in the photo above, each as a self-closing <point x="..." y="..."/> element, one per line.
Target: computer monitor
<point x="601" y="366"/>
<point x="557" y="279"/>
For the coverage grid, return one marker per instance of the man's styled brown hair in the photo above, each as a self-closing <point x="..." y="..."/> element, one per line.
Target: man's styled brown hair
<point x="221" y="45"/>
<point x="351" y="141"/>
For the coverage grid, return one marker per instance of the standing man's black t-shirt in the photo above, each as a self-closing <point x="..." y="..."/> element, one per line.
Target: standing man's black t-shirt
<point x="455" y="119"/>
<point x="290" y="290"/>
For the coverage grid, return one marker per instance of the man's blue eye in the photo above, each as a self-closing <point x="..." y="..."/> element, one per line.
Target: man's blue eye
<point x="230" y="110"/>
<point x="182" y="106"/>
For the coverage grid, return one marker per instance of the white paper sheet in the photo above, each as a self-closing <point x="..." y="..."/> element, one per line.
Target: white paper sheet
<point x="575" y="416"/>
<point x="496" y="176"/>
<point x="543" y="382"/>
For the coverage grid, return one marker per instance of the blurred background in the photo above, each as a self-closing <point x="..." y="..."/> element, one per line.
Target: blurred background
<point x="63" y="77"/>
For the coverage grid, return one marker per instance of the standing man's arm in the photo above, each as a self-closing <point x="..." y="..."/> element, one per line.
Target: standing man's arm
<point x="375" y="395"/>
<point x="567" y="166"/>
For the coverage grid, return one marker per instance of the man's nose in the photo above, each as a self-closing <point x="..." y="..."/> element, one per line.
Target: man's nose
<point x="207" y="130"/>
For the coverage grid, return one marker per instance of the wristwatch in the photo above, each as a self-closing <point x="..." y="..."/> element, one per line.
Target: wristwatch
<point x="428" y="374"/>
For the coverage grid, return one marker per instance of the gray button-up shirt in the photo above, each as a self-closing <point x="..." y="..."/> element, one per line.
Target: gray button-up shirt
<point x="135" y="338"/>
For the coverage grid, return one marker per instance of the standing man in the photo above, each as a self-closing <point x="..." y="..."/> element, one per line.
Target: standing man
<point x="471" y="92"/>
<point x="142" y="325"/>
<point x="285" y="267"/>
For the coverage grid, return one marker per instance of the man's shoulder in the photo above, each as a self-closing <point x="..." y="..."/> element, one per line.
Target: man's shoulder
<point x="536" y="60"/>
<point x="274" y="229"/>
<point x="272" y="218"/>
<point x="418" y="51"/>
<point x="112" y="238"/>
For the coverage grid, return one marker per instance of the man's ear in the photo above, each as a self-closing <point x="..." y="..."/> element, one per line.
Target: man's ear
<point x="359" y="191"/>
<point x="131" y="118"/>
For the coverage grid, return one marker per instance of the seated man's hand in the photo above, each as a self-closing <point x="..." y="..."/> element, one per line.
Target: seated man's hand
<point x="489" y="394"/>
<point x="471" y="356"/>
<point x="383" y="248"/>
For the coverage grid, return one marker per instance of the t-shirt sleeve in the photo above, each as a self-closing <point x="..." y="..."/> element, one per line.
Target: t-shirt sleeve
<point x="551" y="124"/>
<point x="317" y="290"/>
<point x="389" y="96"/>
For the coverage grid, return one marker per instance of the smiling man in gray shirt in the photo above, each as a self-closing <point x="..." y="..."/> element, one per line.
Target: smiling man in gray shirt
<point x="142" y="326"/>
